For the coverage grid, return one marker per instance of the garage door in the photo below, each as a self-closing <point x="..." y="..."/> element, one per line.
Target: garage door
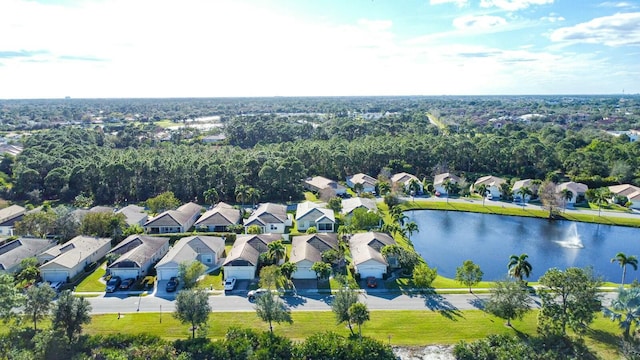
<point x="371" y="271"/>
<point x="304" y="273"/>
<point x="166" y="274"/>
<point x="240" y="272"/>
<point x="53" y="276"/>
<point x="125" y="273"/>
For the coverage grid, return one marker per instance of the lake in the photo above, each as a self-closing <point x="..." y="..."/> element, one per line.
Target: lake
<point x="448" y="238"/>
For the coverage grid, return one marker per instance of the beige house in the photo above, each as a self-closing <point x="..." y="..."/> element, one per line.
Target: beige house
<point x="206" y="249"/>
<point x="632" y="193"/>
<point x="270" y="217"/>
<point x="403" y="181"/>
<point x="307" y="250"/>
<point x="351" y="204"/>
<point x="242" y="261"/>
<point x="13" y="252"/>
<point x="8" y="217"/>
<point x="492" y="183"/>
<point x="63" y="262"/>
<point x="440" y="180"/>
<point x="174" y="221"/>
<point x="310" y="214"/>
<point x="368" y="182"/>
<point x="219" y="218"/>
<point x="366" y="253"/>
<point x="528" y="183"/>
<point x="319" y="184"/>
<point x="578" y="191"/>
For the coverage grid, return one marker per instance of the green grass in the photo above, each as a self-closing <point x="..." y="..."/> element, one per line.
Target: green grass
<point x="440" y="283"/>
<point x="415" y="328"/>
<point x="92" y="282"/>
<point x="213" y="280"/>
<point x="309" y="196"/>
<point x="165" y="123"/>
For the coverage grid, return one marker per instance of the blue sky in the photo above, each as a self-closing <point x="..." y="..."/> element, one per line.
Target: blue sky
<point x="211" y="48"/>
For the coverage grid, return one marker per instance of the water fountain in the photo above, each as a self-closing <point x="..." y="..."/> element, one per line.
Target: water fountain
<point x="571" y="239"/>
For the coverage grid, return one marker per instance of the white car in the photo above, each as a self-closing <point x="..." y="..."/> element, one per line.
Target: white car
<point x="229" y="284"/>
<point x="254" y="294"/>
<point x="56" y="285"/>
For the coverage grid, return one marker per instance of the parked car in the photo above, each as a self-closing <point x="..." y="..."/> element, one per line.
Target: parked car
<point x="372" y="282"/>
<point x="489" y="196"/>
<point x="172" y="285"/>
<point x="229" y="284"/>
<point x="254" y="294"/>
<point x="57" y="285"/>
<point x="126" y="284"/>
<point x="113" y="284"/>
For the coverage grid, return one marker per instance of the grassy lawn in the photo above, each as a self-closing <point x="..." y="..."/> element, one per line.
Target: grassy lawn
<point x="399" y="327"/>
<point x="165" y="123"/>
<point x="309" y="196"/>
<point x="92" y="282"/>
<point x="212" y="280"/>
<point x="440" y="283"/>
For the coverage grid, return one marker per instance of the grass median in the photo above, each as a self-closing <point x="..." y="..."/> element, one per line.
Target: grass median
<point x="406" y="328"/>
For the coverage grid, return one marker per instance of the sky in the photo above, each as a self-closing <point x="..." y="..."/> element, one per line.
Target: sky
<point x="220" y="48"/>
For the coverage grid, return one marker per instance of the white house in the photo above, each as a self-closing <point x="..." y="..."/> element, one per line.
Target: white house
<point x="440" y="180"/>
<point x="319" y="184"/>
<point x="205" y="249"/>
<point x="351" y="204"/>
<point x="492" y="184"/>
<point x="310" y="214"/>
<point x="368" y="182"/>
<point x="174" y="221"/>
<point x="219" y="218"/>
<point x="242" y="260"/>
<point x="63" y="262"/>
<point x="13" y="252"/>
<point x="528" y="183"/>
<point x="8" y="217"/>
<point x="631" y="192"/>
<point x="307" y="250"/>
<point x="366" y="255"/>
<point x="271" y="218"/>
<point x="134" y="215"/>
<point x="578" y="191"/>
<point x="137" y="254"/>
<point x="403" y="180"/>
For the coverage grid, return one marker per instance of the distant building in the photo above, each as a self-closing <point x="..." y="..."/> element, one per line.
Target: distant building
<point x="8" y="217"/>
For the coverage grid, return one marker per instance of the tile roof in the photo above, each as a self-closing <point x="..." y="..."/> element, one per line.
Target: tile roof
<point x="310" y="247"/>
<point x="348" y="205"/>
<point x="249" y="247"/>
<point x="134" y="214"/>
<point x="441" y="178"/>
<point x="367" y="246"/>
<point x="222" y="214"/>
<point x="307" y="207"/>
<point x="268" y="213"/>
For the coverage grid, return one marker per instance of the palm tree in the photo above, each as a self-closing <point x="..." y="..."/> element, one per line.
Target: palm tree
<point x="411" y="227"/>
<point x="482" y="190"/>
<point x="383" y="188"/>
<point x="276" y="250"/>
<point x="343" y="231"/>
<point x="358" y="188"/>
<point x="566" y="196"/>
<point x="627" y="305"/>
<point x="398" y="215"/>
<point x="601" y="197"/>
<point x="524" y="192"/>
<point x="253" y="195"/>
<point x="625" y="260"/>
<point x="519" y="266"/>
<point x="287" y="269"/>
<point x="241" y="193"/>
<point x="414" y="186"/>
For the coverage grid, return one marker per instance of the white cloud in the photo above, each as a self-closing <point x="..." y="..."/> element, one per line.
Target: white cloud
<point x="513" y="5"/>
<point x="616" y="30"/>
<point x="458" y="3"/>
<point x="471" y="22"/>
<point x="617" y="4"/>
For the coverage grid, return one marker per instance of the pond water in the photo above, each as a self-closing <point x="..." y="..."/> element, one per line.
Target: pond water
<point x="448" y="238"/>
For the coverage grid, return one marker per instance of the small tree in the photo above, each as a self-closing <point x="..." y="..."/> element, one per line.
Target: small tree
<point x="322" y="269"/>
<point x="624" y="260"/>
<point x="341" y="303"/>
<point x="70" y="314"/>
<point x="359" y="314"/>
<point x="423" y="276"/>
<point x="10" y="297"/>
<point x="311" y="230"/>
<point x="254" y="229"/>
<point x="508" y="300"/>
<point x="270" y="277"/>
<point x="288" y="269"/>
<point x="276" y="251"/>
<point x="549" y="197"/>
<point x="519" y="267"/>
<point x="270" y="308"/>
<point x="38" y="302"/>
<point x="29" y="271"/>
<point x="469" y="274"/>
<point x="192" y="307"/>
<point x="189" y="272"/>
<point x="162" y="202"/>
<point x="335" y="204"/>
<point x="625" y="309"/>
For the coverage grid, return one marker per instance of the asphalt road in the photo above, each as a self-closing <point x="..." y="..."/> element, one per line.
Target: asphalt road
<point x="113" y="304"/>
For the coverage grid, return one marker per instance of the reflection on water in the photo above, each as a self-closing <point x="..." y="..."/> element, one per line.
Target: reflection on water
<point x="448" y="238"/>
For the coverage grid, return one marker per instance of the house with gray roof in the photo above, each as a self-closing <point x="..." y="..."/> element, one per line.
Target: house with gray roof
<point x="219" y="218"/>
<point x="270" y="217"/>
<point x="578" y="191"/>
<point x="307" y="250"/>
<point x="8" y="218"/>
<point x="311" y="214"/>
<point x="137" y="254"/>
<point x="65" y="261"/>
<point x="366" y="253"/>
<point x="206" y="249"/>
<point x="632" y="193"/>
<point x="320" y="183"/>
<point x="134" y="215"/>
<point x="368" y="183"/>
<point x="174" y="221"/>
<point x="13" y="252"/>
<point x="242" y="260"/>
<point x="440" y="180"/>
<point x="351" y="204"/>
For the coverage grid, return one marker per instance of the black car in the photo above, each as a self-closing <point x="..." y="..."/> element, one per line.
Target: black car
<point x="126" y="284"/>
<point x="172" y="285"/>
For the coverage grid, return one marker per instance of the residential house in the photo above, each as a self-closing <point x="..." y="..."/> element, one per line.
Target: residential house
<point x="492" y="184"/>
<point x="174" y="221"/>
<point x="270" y="217"/>
<point x="310" y="214"/>
<point x="440" y="180"/>
<point x="320" y="184"/>
<point x="403" y="181"/>
<point x="578" y="191"/>
<point x="351" y="204"/>
<point x="242" y="261"/>
<point x="368" y="182"/>
<point x="13" y="252"/>
<point x="206" y="249"/>
<point x="137" y="254"/>
<point x="63" y="262"/>
<point x="219" y="218"/>
<point x="307" y="250"/>
<point x="528" y="183"/>
<point x="631" y="192"/>
<point x="8" y="217"/>
<point x="79" y="214"/>
<point x="134" y="215"/>
<point x="366" y="253"/>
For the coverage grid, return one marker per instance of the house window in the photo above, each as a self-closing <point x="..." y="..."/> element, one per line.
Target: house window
<point x="273" y="227"/>
<point x="324" y="227"/>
